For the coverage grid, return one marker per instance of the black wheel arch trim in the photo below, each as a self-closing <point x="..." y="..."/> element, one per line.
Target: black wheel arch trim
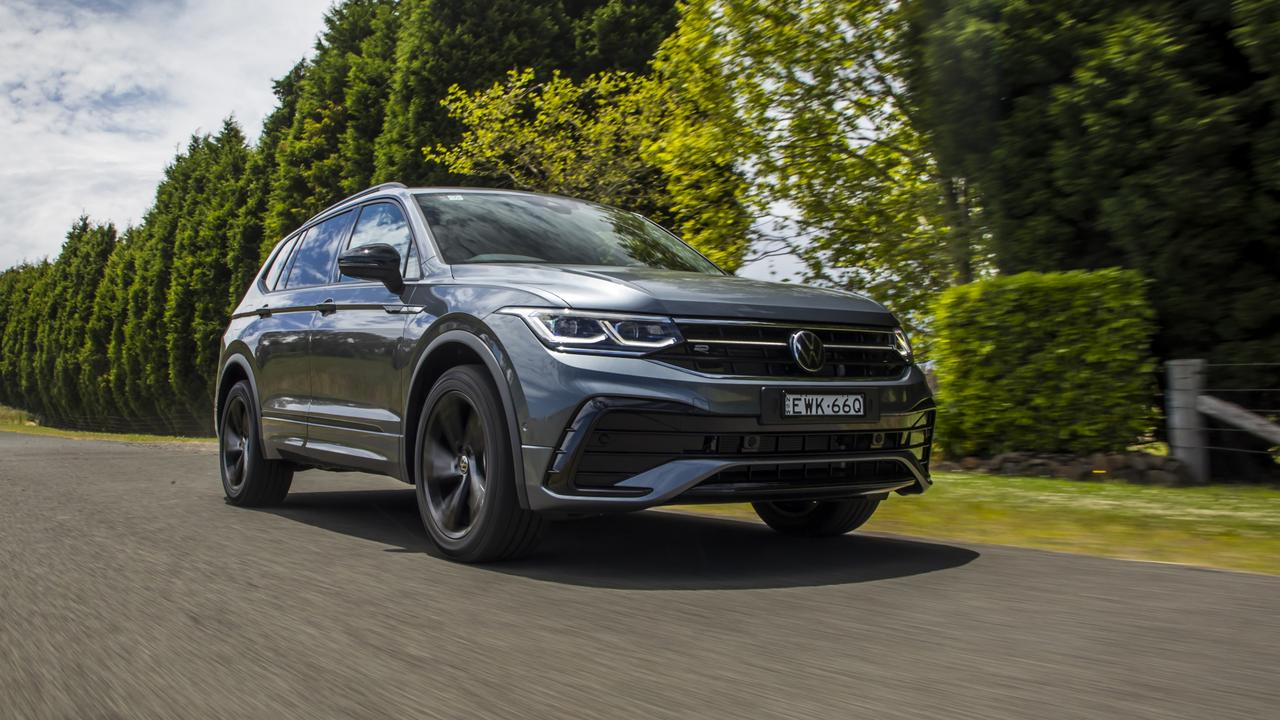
<point x="484" y="343"/>
<point x="241" y="360"/>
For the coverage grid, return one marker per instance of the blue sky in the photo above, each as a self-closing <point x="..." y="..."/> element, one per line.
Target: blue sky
<point x="97" y="95"/>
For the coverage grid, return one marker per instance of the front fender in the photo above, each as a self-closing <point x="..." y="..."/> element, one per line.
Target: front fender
<point x="481" y="341"/>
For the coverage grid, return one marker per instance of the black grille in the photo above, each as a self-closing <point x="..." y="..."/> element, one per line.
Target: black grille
<point x="761" y="350"/>
<point x="622" y="444"/>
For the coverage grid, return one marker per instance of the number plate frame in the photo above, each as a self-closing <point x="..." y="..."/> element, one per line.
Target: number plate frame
<point x="772" y="399"/>
<point x="823" y="405"/>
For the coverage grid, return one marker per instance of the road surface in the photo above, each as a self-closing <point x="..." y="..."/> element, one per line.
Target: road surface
<point x="128" y="588"/>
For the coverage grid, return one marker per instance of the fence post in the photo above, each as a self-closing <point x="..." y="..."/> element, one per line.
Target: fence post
<point x="1187" y="436"/>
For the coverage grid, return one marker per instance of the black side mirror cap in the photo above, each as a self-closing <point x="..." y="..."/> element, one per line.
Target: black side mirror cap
<point x="376" y="261"/>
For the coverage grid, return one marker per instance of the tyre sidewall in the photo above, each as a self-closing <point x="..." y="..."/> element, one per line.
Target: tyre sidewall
<point x="499" y="464"/>
<point x="242" y="392"/>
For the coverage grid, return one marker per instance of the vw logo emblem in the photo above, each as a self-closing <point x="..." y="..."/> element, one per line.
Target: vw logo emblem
<point x="807" y="349"/>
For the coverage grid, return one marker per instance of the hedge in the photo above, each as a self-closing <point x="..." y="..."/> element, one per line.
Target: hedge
<point x="1044" y="362"/>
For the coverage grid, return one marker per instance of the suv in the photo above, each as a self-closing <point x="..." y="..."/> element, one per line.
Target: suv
<point x="518" y="357"/>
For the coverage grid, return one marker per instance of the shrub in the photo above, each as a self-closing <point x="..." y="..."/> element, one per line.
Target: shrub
<point x="1044" y="362"/>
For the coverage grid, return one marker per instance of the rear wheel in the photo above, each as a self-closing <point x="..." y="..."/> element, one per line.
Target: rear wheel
<point x="465" y="472"/>
<point x="248" y="478"/>
<point x="816" y="518"/>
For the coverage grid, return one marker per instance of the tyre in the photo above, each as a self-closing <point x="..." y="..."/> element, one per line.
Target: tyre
<point x="248" y="478"/>
<point x="823" y="518"/>
<point x="465" y="472"/>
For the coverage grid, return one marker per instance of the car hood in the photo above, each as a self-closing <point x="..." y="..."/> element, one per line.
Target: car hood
<point x="680" y="294"/>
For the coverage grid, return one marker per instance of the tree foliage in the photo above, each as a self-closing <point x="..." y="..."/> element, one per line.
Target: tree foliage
<point x="1138" y="134"/>
<point x="805" y="102"/>
<point x="580" y="139"/>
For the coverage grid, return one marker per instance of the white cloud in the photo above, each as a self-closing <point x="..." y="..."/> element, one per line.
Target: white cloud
<point x="97" y="95"/>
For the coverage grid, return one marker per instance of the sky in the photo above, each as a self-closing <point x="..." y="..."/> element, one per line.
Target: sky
<point x="96" y="96"/>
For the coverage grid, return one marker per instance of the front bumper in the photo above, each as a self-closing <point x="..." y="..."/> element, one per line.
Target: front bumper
<point x="602" y="433"/>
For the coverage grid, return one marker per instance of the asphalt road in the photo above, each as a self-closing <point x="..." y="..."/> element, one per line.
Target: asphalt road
<point x="129" y="589"/>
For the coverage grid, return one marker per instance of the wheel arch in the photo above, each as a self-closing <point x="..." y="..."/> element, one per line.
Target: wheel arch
<point x="234" y="369"/>
<point x="449" y="349"/>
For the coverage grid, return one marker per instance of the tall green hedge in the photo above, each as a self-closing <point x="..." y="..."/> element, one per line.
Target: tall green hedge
<point x="1044" y="362"/>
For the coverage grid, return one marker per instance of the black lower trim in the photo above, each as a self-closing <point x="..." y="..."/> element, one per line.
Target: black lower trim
<point x="757" y="492"/>
<point x="614" y="439"/>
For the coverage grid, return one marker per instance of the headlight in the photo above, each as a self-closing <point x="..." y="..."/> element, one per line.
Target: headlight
<point x="583" y="330"/>
<point x="902" y="344"/>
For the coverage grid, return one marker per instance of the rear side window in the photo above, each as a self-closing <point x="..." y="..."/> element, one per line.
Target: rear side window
<point x="315" y="259"/>
<point x="383" y="223"/>
<point x="279" y="263"/>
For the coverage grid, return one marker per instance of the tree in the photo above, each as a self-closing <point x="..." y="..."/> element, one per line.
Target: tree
<point x="22" y="288"/>
<point x="1139" y="134"/>
<point x="468" y="43"/>
<point x="73" y="281"/>
<point x="196" y="305"/>
<point x="311" y="169"/>
<point x="250" y="244"/>
<point x="621" y="35"/>
<point x="366" y="93"/>
<point x="595" y="139"/>
<point x="799" y="110"/>
<point x="579" y="139"/>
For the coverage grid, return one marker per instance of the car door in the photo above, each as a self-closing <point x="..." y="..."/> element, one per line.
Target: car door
<point x="356" y="415"/>
<point x="283" y="348"/>
<point x="278" y="337"/>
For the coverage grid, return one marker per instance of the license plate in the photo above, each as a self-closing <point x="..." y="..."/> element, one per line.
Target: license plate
<point x="804" y="405"/>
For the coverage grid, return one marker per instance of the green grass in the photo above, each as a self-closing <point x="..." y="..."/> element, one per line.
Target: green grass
<point x="12" y="420"/>
<point x="1224" y="526"/>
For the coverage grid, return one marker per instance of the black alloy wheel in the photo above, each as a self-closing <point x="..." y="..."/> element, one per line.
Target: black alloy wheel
<point x="456" y="463"/>
<point x="465" y="472"/>
<point x="248" y="478"/>
<point x="234" y="444"/>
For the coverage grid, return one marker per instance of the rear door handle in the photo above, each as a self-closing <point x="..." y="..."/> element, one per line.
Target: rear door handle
<point x="326" y="307"/>
<point x="264" y="311"/>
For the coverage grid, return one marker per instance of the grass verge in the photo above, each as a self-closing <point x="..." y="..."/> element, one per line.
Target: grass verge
<point x="1232" y="527"/>
<point x="12" y="420"/>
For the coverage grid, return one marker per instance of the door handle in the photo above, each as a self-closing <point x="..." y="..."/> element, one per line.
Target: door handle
<point x="326" y="307"/>
<point x="264" y="311"/>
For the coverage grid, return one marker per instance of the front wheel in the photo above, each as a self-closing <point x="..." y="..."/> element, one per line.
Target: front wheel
<point x="465" y="472"/>
<point x="816" y="518"/>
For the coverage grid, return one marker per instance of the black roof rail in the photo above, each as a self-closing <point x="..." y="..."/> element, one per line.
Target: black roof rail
<point x="360" y="194"/>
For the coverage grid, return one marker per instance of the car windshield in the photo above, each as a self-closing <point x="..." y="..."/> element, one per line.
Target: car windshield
<point x="496" y="227"/>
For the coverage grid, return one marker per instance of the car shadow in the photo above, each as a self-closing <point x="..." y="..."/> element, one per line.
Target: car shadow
<point x="646" y="550"/>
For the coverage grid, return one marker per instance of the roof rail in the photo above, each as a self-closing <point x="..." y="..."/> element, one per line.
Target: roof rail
<point x="360" y="194"/>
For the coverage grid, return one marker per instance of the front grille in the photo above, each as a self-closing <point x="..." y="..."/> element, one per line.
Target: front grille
<point x="762" y="350"/>
<point x="624" y="443"/>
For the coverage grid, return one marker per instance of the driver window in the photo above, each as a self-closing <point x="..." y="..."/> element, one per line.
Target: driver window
<point x="382" y="223"/>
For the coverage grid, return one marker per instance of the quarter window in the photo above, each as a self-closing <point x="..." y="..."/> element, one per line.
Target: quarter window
<point x="279" y="263"/>
<point x="315" y="259"/>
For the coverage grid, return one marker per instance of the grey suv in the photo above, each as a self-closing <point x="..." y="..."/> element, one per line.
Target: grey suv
<point x="519" y="357"/>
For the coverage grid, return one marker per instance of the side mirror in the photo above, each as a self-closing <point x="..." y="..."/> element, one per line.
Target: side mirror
<point x="376" y="261"/>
